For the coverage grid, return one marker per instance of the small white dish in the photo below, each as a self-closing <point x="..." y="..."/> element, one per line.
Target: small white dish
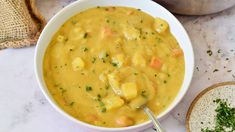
<point x="147" y="6"/>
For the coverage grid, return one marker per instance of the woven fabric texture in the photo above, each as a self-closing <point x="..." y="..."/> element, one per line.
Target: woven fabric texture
<point x="20" y="23"/>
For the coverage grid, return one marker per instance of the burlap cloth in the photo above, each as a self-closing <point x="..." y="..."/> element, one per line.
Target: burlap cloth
<point x="20" y="23"/>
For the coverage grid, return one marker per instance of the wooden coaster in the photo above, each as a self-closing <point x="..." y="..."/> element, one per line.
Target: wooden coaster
<point x="201" y="112"/>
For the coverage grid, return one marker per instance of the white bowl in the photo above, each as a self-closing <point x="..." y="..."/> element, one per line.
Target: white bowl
<point x="147" y="6"/>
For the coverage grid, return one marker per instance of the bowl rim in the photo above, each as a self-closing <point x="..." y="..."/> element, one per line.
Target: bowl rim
<point x="40" y="81"/>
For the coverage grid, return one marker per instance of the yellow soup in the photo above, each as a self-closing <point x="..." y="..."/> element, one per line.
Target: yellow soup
<point x="104" y="63"/>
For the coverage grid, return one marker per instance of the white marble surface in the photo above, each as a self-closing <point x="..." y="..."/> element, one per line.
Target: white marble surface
<point x="23" y="108"/>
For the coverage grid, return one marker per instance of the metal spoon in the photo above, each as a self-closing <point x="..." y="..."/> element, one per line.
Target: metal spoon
<point x="152" y="117"/>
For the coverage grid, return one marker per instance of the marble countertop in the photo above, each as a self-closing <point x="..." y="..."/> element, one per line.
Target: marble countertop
<point x="23" y="108"/>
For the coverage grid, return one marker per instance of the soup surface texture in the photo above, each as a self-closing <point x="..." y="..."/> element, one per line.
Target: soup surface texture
<point x="106" y="62"/>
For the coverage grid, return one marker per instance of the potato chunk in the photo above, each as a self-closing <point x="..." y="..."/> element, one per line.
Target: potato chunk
<point x="129" y="90"/>
<point x="113" y="102"/>
<point x="78" y="64"/>
<point x="160" y="25"/>
<point x="138" y="60"/>
<point x="118" y="60"/>
<point x="114" y="82"/>
<point x="131" y="33"/>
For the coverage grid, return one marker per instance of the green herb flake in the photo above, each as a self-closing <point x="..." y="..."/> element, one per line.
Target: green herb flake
<point x="107" y="20"/>
<point x="85" y="49"/>
<point x="93" y="60"/>
<point x="169" y="75"/>
<point x="74" y="21"/>
<point x="103" y="110"/>
<point x="62" y="90"/>
<point x="143" y="94"/>
<point x="215" y="70"/>
<point x="71" y="104"/>
<point x="106" y="55"/>
<point x="165" y="81"/>
<point x="88" y="88"/>
<point x="66" y="39"/>
<point x="107" y="87"/>
<point x="159" y="40"/>
<point x="98" y="96"/>
<point x="209" y="52"/>
<point x="114" y="64"/>
<point x="85" y="35"/>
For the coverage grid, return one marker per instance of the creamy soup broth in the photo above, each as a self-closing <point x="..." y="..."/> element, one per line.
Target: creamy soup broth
<point x="106" y="62"/>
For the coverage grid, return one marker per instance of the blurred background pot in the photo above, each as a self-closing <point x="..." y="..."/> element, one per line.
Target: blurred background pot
<point x="196" y="7"/>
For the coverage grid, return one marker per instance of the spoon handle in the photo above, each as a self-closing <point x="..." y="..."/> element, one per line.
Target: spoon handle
<point x="154" y="120"/>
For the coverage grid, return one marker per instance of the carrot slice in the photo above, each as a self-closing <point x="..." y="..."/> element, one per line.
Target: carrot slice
<point x="177" y="52"/>
<point x="156" y="63"/>
<point x="107" y="32"/>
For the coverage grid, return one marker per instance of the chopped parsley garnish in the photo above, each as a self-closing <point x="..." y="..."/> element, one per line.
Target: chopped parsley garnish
<point x="224" y="119"/>
<point x="74" y="21"/>
<point x="209" y="52"/>
<point x="169" y="75"/>
<point x="85" y="49"/>
<point x="107" y="20"/>
<point x="143" y="94"/>
<point x="85" y="35"/>
<point x="88" y="88"/>
<point x="62" y="90"/>
<point x="71" y="104"/>
<point x="165" y="81"/>
<point x="159" y="40"/>
<point x="107" y="87"/>
<point x="93" y="60"/>
<point x="66" y="39"/>
<point x="103" y="110"/>
<point x="98" y="96"/>
<point x="106" y="55"/>
<point x="114" y="64"/>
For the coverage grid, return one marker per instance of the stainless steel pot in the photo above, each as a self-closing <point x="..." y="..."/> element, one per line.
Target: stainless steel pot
<point x="196" y="7"/>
